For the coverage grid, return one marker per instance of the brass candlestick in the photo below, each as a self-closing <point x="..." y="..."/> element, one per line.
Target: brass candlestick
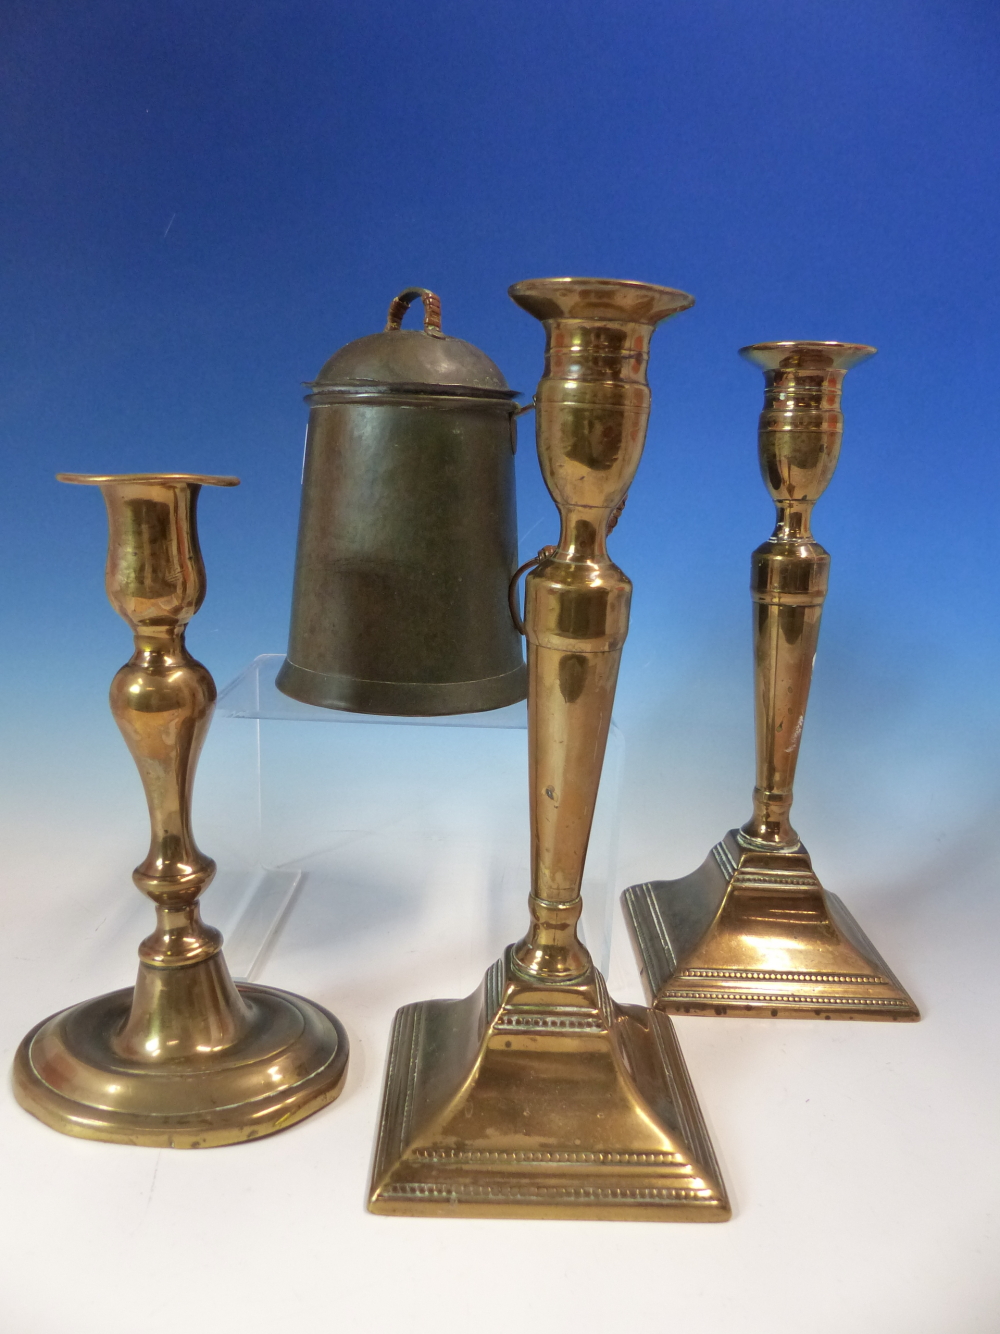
<point x="539" y="1096"/>
<point x="752" y="932"/>
<point x="186" y="1059"/>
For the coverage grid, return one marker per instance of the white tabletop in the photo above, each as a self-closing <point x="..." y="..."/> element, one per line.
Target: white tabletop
<point x="861" y="1158"/>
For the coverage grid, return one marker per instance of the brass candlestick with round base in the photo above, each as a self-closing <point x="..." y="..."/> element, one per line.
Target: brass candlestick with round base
<point x="752" y="932"/>
<point x="538" y="1095"/>
<point x="186" y="1059"/>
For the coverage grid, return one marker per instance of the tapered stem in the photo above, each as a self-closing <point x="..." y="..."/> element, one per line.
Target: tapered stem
<point x="788" y="584"/>
<point x="576" y="618"/>
<point x="592" y="406"/>
<point x="799" y="442"/>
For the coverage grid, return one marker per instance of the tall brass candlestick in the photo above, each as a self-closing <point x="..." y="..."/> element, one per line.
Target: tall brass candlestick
<point x="186" y="1059"/>
<point x="539" y="1096"/>
<point x="752" y="932"/>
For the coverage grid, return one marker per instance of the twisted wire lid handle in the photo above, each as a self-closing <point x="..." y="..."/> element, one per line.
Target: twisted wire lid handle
<point x="399" y="305"/>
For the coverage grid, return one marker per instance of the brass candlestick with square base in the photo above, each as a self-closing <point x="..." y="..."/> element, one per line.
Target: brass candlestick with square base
<point x="753" y="932"/>
<point x="539" y="1096"/>
<point x="185" y="1059"/>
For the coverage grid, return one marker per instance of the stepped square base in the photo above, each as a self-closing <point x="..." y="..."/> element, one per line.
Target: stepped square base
<point x="753" y="933"/>
<point x="528" y="1100"/>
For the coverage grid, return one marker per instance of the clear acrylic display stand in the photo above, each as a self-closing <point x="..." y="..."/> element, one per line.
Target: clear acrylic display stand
<point x="424" y="820"/>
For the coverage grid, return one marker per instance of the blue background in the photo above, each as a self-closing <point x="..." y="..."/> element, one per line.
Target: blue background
<point x="200" y="200"/>
<point x="200" y="203"/>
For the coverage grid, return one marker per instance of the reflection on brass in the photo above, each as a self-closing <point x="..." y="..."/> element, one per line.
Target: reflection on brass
<point x="186" y="1059"/>
<point x="538" y="1095"/>
<point x="752" y="932"/>
<point x="408" y="529"/>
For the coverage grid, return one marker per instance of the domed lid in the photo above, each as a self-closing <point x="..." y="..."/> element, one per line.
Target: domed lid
<point x="412" y="360"/>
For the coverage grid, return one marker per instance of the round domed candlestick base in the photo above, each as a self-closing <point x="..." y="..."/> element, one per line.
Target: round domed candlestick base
<point x="290" y="1060"/>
